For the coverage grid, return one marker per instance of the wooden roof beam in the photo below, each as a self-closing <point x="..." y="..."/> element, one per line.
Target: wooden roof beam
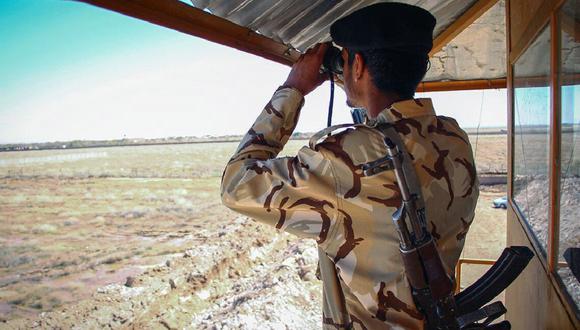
<point x="567" y="79"/>
<point x="179" y="16"/>
<point x="460" y="24"/>
<point x="460" y="85"/>
<point x="176" y="15"/>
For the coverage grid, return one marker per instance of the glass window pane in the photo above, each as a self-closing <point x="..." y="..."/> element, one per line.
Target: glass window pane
<point x="532" y="135"/>
<point x="570" y="144"/>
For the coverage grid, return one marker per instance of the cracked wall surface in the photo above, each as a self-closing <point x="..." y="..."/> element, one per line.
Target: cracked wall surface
<point x="479" y="52"/>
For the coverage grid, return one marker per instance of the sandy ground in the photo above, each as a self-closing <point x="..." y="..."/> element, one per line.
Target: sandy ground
<point x="120" y="243"/>
<point x="239" y="275"/>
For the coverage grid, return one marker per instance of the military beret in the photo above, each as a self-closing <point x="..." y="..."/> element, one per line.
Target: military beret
<point x="388" y="25"/>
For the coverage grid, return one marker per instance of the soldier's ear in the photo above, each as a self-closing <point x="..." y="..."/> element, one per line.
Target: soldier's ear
<point x="358" y="66"/>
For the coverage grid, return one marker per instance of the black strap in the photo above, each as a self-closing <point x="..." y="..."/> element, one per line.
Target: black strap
<point x="487" y="313"/>
<point x="331" y="102"/>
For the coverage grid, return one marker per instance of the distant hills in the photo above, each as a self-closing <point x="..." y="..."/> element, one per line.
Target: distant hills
<point x="76" y="144"/>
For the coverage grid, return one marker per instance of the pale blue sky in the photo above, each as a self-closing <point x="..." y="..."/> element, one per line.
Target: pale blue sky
<point x="72" y="71"/>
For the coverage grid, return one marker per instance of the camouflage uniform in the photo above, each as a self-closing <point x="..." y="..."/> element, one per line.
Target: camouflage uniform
<point x="322" y="193"/>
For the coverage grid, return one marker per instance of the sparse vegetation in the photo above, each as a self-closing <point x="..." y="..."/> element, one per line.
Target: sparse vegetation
<point x="74" y="221"/>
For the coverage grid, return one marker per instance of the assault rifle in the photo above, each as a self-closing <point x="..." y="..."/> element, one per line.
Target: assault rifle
<point x="431" y="287"/>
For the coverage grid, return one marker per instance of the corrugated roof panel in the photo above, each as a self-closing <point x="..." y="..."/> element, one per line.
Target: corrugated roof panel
<point x="319" y="30"/>
<point x="301" y="24"/>
<point x="477" y="53"/>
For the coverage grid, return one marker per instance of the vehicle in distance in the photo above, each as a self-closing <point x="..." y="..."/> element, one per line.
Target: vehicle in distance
<point x="500" y="203"/>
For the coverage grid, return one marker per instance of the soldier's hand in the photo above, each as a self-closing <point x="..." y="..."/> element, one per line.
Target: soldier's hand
<point x="305" y="75"/>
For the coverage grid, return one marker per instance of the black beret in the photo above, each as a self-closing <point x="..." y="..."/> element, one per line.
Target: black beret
<point x="388" y="25"/>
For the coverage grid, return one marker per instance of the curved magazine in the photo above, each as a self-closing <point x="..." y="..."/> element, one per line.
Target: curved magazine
<point x="506" y="269"/>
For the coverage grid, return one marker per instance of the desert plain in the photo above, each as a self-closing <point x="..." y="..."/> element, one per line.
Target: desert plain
<point x="137" y="237"/>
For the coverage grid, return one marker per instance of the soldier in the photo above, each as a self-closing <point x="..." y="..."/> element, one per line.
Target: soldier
<point x="322" y="192"/>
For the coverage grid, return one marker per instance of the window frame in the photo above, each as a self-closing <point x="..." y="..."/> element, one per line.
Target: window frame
<point x="512" y="126"/>
<point x="549" y="261"/>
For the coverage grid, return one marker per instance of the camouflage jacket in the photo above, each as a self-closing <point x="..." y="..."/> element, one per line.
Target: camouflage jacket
<point x="322" y="193"/>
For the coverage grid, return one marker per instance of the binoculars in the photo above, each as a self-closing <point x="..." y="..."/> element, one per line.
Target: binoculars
<point x="332" y="62"/>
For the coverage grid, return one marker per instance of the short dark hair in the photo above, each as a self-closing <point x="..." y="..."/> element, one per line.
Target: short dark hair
<point x="393" y="71"/>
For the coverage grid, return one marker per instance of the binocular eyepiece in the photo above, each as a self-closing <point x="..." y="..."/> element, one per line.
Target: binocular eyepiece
<point x="332" y="61"/>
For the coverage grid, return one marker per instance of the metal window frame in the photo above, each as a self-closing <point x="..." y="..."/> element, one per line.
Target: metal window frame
<point x="534" y="241"/>
<point x="468" y="261"/>
<point x="549" y="16"/>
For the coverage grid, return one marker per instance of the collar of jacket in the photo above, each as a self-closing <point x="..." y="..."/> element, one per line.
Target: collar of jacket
<point x="403" y="109"/>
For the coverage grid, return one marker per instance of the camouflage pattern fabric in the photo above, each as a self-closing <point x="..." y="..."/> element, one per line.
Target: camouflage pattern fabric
<point x="322" y="194"/>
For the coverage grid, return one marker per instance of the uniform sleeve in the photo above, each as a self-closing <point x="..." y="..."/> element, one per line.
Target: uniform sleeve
<point x="295" y="194"/>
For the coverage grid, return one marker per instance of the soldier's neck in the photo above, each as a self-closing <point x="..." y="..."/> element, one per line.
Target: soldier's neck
<point x="376" y="101"/>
